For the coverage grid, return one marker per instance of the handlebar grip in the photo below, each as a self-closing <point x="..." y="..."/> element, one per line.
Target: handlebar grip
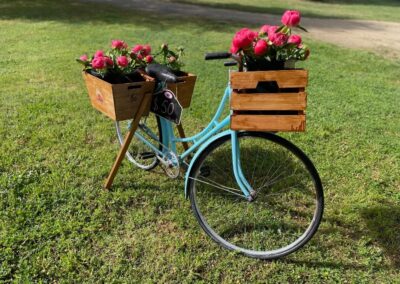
<point x="217" y="55"/>
<point x="230" y="63"/>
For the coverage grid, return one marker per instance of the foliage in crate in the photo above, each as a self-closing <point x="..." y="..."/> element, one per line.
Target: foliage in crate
<point x="272" y="46"/>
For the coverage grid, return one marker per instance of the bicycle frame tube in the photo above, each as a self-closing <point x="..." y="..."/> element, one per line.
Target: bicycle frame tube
<point x="212" y="128"/>
<point x="201" y="140"/>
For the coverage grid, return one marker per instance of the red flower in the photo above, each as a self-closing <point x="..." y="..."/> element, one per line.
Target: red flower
<point x="122" y="61"/>
<point x="271" y="30"/>
<point x="243" y="38"/>
<point x="139" y="56"/>
<point x="148" y="58"/>
<point x="264" y="29"/>
<point x="234" y="49"/>
<point x="137" y="48"/>
<point x="109" y="61"/>
<point x="146" y="49"/>
<point x="291" y="18"/>
<point x="261" y="47"/>
<point x="118" y="44"/>
<point x="99" y="63"/>
<point x="99" y="53"/>
<point x="295" y="39"/>
<point x="84" y="57"/>
<point x="278" y="39"/>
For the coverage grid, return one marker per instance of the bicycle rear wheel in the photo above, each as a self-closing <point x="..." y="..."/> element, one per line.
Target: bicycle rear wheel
<point x="140" y="154"/>
<point x="288" y="206"/>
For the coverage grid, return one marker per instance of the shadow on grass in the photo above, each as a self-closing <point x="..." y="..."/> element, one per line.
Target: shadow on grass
<point x="255" y="9"/>
<point x="383" y="223"/>
<point x="387" y="3"/>
<point x="76" y="12"/>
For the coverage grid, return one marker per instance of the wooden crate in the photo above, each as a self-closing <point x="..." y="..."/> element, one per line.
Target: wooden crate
<point x="118" y="101"/>
<point x="184" y="89"/>
<point x="280" y="110"/>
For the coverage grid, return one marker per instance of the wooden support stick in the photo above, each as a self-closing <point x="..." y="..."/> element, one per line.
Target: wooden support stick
<point x="182" y="135"/>
<point x="127" y="140"/>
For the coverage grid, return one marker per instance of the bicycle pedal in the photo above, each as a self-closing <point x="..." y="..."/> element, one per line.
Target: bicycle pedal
<point x="147" y="155"/>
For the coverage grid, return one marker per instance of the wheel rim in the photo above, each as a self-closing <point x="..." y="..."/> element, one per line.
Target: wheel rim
<point x="139" y="153"/>
<point x="284" y="214"/>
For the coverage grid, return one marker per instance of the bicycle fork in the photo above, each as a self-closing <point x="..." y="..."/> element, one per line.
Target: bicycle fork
<point x="237" y="169"/>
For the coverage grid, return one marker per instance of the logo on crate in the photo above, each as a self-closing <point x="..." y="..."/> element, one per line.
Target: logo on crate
<point x="99" y="96"/>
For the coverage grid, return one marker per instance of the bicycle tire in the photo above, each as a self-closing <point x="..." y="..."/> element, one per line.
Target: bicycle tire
<point x="281" y="146"/>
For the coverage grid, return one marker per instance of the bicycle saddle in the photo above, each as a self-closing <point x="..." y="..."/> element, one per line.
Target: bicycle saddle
<point x="161" y="73"/>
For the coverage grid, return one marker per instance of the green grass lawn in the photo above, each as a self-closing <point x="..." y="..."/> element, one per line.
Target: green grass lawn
<point x="58" y="225"/>
<point x="382" y="10"/>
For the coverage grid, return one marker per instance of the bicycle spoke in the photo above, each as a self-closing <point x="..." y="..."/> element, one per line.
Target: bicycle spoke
<point x="279" y="217"/>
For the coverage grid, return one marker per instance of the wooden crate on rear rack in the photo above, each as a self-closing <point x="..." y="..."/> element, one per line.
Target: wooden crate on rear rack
<point x="269" y="100"/>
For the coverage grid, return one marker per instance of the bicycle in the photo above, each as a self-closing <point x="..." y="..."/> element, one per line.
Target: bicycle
<point x="252" y="192"/>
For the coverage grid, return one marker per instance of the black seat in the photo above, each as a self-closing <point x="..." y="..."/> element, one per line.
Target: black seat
<point x="161" y="73"/>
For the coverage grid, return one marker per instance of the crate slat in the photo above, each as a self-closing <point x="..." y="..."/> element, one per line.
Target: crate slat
<point x="268" y="122"/>
<point x="262" y="101"/>
<point x="284" y="78"/>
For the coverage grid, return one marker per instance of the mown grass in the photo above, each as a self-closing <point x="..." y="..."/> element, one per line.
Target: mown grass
<point x="382" y="10"/>
<point x="58" y="225"/>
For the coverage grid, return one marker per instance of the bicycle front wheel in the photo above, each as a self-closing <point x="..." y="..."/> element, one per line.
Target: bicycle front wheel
<point x="288" y="203"/>
<point x="140" y="154"/>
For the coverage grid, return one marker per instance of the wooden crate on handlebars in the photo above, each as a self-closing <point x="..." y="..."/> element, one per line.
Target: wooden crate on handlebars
<point x="269" y="100"/>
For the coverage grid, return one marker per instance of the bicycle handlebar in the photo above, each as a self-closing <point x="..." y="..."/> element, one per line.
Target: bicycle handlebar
<point x="230" y="63"/>
<point x="217" y="55"/>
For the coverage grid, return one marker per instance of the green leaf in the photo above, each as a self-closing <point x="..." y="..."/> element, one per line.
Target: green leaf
<point x="302" y="28"/>
<point x="280" y="28"/>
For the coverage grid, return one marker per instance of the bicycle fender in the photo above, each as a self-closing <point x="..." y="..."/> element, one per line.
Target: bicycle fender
<point x="205" y="145"/>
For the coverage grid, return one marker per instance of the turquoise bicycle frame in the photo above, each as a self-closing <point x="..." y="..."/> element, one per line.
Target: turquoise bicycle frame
<point x="200" y="141"/>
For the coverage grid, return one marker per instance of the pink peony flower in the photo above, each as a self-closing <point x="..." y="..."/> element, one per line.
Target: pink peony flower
<point x="148" y="58"/>
<point x="84" y="57"/>
<point x="261" y="47"/>
<point x="291" y="18"/>
<point x="122" y="61"/>
<point x="146" y="49"/>
<point x="118" y="44"/>
<point x="294" y="39"/>
<point x="99" y="53"/>
<point x="137" y="48"/>
<point x="272" y="29"/>
<point x="139" y="56"/>
<point x="109" y="61"/>
<point x="278" y="39"/>
<point x="243" y="38"/>
<point x="264" y="29"/>
<point x="98" y="63"/>
<point x="233" y="49"/>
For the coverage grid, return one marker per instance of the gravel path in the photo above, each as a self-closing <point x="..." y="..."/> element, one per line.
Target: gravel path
<point x="380" y="37"/>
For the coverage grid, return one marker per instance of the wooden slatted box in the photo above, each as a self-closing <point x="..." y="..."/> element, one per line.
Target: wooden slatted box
<point x="118" y="101"/>
<point x="184" y="89"/>
<point x="282" y="109"/>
